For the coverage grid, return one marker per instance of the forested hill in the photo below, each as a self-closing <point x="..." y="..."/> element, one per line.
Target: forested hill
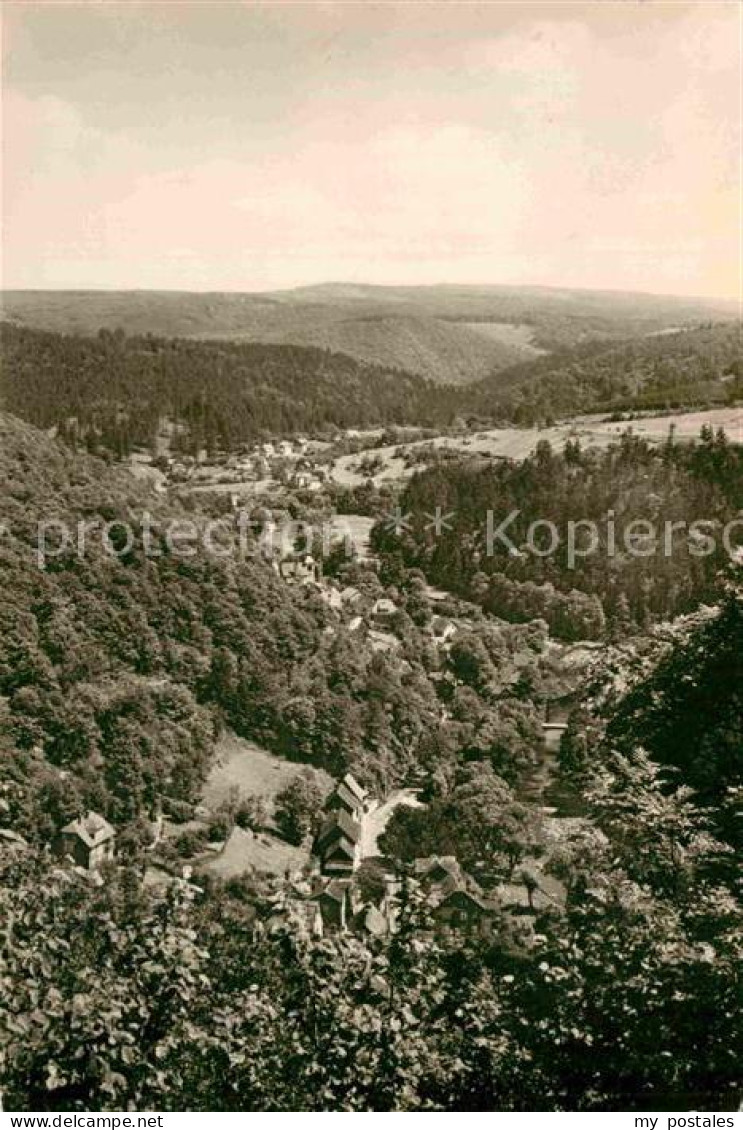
<point x="119" y="387"/>
<point x="699" y="366"/>
<point x="375" y="332"/>
<point x="115" y="670"/>
<point x="613" y="584"/>
<point x="686" y="710"/>
<point x="113" y="390"/>
<point x="448" y="334"/>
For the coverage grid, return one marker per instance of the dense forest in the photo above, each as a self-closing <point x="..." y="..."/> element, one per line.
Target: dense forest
<point x="116" y="671"/>
<point x="110" y="392"/>
<point x="620" y="582"/>
<point x="685" y="700"/>
<point x="625" y="998"/>
<point x="693" y="367"/>
<point x="448" y="334"/>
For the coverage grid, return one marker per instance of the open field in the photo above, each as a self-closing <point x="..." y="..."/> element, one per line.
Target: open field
<point x="518" y="443"/>
<point x="247" y="851"/>
<point x="253" y="771"/>
<point x="517" y="336"/>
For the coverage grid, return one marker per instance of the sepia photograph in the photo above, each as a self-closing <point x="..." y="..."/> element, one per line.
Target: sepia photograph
<point x="371" y="562"/>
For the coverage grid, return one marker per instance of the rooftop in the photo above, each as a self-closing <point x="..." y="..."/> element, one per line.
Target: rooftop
<point x="91" y="828"/>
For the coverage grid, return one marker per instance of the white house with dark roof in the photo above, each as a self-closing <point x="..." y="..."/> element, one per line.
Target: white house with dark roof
<point x="442" y="629"/>
<point x="88" y="841"/>
<point x="384" y="609"/>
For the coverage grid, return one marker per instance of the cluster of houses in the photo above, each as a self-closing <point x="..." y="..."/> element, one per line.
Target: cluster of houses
<point x="330" y="900"/>
<point x="338" y="844"/>
<point x="327" y="905"/>
<point x="371" y="617"/>
<point x="290" y="462"/>
<point x="329" y="897"/>
<point x="333" y="901"/>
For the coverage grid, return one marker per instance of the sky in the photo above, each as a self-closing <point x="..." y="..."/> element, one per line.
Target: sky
<point x="237" y="146"/>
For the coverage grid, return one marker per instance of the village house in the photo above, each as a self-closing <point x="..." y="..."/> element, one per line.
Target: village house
<point x="456" y="900"/>
<point x="331" y="597"/>
<point x="334" y="907"/>
<point x="383" y="609"/>
<point x="334" y="902"/>
<point x="442" y="630"/>
<point x="88" y="841"/>
<point x="440" y="873"/>
<point x="383" y="642"/>
<point x="338" y="844"/>
<point x="300" y="480"/>
<point x="350" y="797"/>
<point x="463" y="911"/>
<point x="299" y="568"/>
<point x="351" y="597"/>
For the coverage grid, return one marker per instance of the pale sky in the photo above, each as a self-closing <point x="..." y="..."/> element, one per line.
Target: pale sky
<point x="236" y="146"/>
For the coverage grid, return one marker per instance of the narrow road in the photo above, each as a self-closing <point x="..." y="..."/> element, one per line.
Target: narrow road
<point x="375" y="822"/>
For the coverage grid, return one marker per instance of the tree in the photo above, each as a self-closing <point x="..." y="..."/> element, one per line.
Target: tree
<point x="299" y="808"/>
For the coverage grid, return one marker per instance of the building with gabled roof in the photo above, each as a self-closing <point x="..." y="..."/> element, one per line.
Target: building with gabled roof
<point x="331" y="597"/>
<point x="442" y="629"/>
<point x="463" y="911"/>
<point x="88" y="841"/>
<point x="299" y="568"/>
<point x="338" y="844"/>
<point x="350" y="797"/>
<point x="383" y="642"/>
<point x="339" y="823"/>
<point x="441" y="874"/>
<point x="342" y="798"/>
<point x="384" y="608"/>
<point x="334" y="901"/>
<point x="349" y="782"/>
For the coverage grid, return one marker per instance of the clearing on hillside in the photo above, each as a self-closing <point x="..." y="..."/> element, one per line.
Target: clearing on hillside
<point x="253" y="771"/>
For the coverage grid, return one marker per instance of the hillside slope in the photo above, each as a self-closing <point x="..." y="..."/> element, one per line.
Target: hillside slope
<point x="435" y="331"/>
<point x="226" y="392"/>
<point x="699" y="366"/>
<point x="116" y="666"/>
<point x="373" y="333"/>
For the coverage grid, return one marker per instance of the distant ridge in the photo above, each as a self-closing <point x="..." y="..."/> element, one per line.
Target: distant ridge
<point x="448" y="333"/>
